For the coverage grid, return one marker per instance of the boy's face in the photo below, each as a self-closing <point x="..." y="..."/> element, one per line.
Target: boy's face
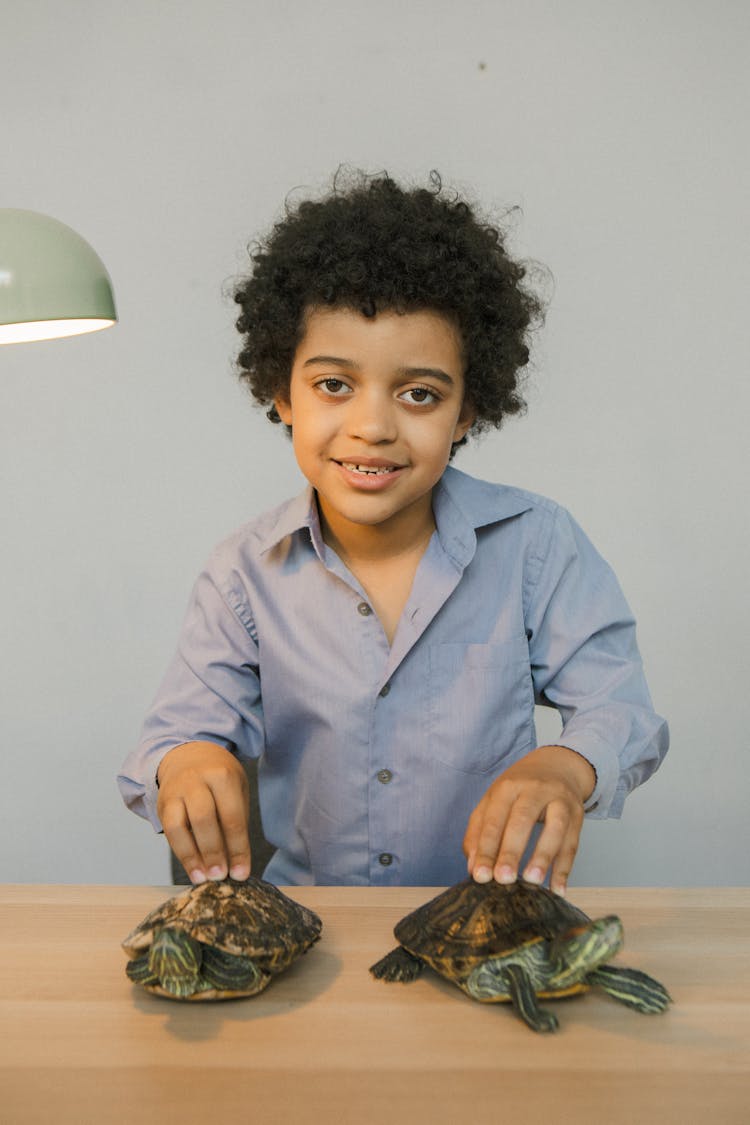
<point x="375" y="404"/>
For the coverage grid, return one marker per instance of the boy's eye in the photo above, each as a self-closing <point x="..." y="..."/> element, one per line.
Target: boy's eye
<point x="420" y="396"/>
<point x="332" y="386"/>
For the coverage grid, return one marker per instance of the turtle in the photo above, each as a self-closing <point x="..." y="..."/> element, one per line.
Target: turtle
<point x="219" y="940"/>
<point x="517" y="942"/>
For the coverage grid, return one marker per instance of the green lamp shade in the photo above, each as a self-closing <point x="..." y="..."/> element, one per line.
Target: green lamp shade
<point x="51" y="282"/>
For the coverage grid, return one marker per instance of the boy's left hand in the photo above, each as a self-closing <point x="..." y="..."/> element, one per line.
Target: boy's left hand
<point x="549" y="784"/>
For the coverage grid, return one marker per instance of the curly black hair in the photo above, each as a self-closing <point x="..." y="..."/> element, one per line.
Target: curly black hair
<point x="374" y="246"/>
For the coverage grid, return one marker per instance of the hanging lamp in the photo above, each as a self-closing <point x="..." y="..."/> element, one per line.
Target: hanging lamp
<point x="51" y="281"/>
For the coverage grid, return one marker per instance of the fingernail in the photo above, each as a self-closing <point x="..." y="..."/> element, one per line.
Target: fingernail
<point x="534" y="875"/>
<point x="482" y="875"/>
<point x="197" y="876"/>
<point x="505" y="874"/>
<point x="217" y="873"/>
<point x="240" y="871"/>
<point x="560" y="889"/>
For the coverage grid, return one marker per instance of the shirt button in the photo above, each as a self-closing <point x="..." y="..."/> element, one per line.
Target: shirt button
<point x="386" y="859"/>
<point x="384" y="690"/>
<point x="384" y="776"/>
<point x="364" y="609"/>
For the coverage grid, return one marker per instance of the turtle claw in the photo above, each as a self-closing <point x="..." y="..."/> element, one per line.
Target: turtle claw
<point x="632" y="987"/>
<point x="521" y="992"/>
<point x="397" y="965"/>
<point x="139" y="972"/>
<point x="544" y="1021"/>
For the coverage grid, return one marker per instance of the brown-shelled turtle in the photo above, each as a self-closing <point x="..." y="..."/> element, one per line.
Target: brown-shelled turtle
<point x="517" y="943"/>
<point x="218" y="941"/>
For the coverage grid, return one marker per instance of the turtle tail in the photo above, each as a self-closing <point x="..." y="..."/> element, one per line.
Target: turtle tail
<point x="631" y="987"/>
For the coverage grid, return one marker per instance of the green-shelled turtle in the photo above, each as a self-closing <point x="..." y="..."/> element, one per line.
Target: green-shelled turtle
<point x="517" y="943"/>
<point x="218" y="941"/>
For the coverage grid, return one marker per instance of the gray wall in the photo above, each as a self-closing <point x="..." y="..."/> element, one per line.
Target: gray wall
<point x="168" y="134"/>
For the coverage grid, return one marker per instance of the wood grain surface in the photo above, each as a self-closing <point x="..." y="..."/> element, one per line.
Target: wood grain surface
<point x="80" y="1044"/>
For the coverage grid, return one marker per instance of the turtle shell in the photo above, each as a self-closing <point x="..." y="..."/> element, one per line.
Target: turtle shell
<point x="471" y="922"/>
<point x="251" y="919"/>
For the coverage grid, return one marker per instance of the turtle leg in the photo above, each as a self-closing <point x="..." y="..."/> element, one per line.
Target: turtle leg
<point x="399" y="964"/>
<point x="138" y="971"/>
<point x="524" y="999"/>
<point x="631" y="987"/>
<point x="229" y="971"/>
<point x="175" y="958"/>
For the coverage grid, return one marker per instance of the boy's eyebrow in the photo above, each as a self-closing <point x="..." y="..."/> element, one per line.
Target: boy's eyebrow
<point x="406" y="372"/>
<point x="330" y="359"/>
<point x="426" y="373"/>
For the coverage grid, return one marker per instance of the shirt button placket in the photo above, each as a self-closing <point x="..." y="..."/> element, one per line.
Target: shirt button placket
<point x="384" y="776"/>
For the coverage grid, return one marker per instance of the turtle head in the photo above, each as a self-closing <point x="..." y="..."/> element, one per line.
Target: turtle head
<point x="584" y="950"/>
<point x="175" y="960"/>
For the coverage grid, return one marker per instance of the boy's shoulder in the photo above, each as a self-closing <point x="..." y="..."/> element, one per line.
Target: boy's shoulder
<point x="464" y="504"/>
<point x="539" y="528"/>
<point x="252" y="539"/>
<point x="484" y="501"/>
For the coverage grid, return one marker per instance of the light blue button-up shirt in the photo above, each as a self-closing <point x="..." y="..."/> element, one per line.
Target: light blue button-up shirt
<point x="371" y="757"/>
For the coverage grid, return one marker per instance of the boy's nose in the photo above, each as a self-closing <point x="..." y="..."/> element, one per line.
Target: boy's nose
<point x="372" y="420"/>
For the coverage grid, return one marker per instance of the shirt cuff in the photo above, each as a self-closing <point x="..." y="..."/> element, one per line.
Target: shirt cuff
<point x="602" y="802"/>
<point x="151" y="795"/>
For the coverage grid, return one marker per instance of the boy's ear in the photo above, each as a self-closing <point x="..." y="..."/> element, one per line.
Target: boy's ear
<point x="465" y="421"/>
<point x="283" y="409"/>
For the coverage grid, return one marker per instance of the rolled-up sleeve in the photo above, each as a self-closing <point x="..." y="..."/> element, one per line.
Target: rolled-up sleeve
<point x="585" y="662"/>
<point x="211" y="692"/>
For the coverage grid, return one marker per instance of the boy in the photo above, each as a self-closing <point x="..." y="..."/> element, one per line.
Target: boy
<point x="379" y="642"/>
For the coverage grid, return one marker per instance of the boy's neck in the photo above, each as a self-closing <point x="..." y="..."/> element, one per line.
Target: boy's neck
<point x="383" y="557"/>
<point x="403" y="535"/>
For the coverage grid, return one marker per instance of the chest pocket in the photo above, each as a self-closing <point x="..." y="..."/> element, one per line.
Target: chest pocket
<point x="481" y="704"/>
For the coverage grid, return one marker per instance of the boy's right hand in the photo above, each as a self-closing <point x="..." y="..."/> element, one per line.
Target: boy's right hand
<point x="203" y="805"/>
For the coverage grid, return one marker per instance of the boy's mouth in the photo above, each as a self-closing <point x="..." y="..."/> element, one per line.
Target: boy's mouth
<point x="370" y="468"/>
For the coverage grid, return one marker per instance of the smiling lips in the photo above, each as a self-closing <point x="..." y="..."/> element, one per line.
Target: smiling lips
<point x="370" y="471"/>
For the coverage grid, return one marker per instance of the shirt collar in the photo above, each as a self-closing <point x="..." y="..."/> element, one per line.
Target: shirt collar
<point x="461" y="504"/>
<point x="480" y="501"/>
<point x="297" y="514"/>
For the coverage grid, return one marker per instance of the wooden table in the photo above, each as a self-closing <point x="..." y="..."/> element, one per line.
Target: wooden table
<point x="326" y="1042"/>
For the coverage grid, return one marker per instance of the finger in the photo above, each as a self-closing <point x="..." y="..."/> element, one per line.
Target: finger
<point x="491" y="832"/>
<point x="563" y="862"/>
<point x="209" y="838"/>
<point x="557" y="820"/>
<point x="471" y="836"/>
<point x="232" y="807"/>
<point x="520" y="824"/>
<point x="177" y="830"/>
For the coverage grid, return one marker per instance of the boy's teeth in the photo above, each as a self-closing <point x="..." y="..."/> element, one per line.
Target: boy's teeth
<point x="364" y="468"/>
